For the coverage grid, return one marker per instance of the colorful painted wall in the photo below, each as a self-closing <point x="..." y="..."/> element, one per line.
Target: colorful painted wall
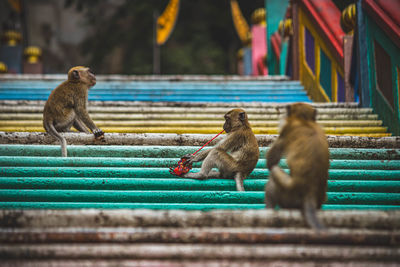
<point x="320" y="50"/>
<point x="382" y="23"/>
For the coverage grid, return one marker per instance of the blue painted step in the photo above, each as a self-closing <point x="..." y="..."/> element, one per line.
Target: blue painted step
<point x="243" y="91"/>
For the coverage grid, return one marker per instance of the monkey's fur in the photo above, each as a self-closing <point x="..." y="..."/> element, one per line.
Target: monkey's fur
<point x="235" y="156"/>
<point x="305" y="145"/>
<point x="67" y="107"/>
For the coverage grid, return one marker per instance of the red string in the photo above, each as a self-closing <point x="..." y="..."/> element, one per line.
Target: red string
<point x="208" y="142"/>
<point x="181" y="168"/>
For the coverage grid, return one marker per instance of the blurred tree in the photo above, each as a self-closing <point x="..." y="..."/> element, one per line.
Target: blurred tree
<point x="204" y="40"/>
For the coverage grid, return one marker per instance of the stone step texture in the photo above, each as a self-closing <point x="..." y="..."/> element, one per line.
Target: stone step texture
<point x="192" y="238"/>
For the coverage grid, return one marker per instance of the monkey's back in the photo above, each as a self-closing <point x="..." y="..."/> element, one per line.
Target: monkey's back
<point x="307" y="155"/>
<point x="248" y="151"/>
<point x="59" y="105"/>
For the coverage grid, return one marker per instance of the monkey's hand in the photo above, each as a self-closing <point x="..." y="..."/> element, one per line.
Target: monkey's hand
<point x="98" y="134"/>
<point x="188" y="159"/>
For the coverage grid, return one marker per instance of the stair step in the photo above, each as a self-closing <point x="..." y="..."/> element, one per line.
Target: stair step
<point x="125" y="117"/>
<point x="160" y="151"/>
<point x="138" y="177"/>
<point x="279" y="91"/>
<point x="184" y="140"/>
<point x="215" y="235"/>
<point x="352" y="219"/>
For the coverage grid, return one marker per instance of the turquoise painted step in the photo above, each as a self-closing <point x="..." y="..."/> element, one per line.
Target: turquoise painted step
<point x="138" y="177"/>
<point x="201" y="85"/>
<point x="142" y="184"/>
<point x="16" y="161"/>
<point x="221" y="197"/>
<point x="172" y="152"/>
<point x="168" y="206"/>
<point x="130" y="172"/>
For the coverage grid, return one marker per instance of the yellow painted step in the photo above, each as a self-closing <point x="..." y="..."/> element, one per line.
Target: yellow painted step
<point x="184" y="123"/>
<point x="365" y="131"/>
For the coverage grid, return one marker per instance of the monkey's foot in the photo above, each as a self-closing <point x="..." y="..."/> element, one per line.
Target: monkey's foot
<point x="98" y="134"/>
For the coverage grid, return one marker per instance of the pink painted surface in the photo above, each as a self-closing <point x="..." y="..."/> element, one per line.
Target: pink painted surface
<point x="387" y="14"/>
<point x="259" y="49"/>
<point x="326" y="17"/>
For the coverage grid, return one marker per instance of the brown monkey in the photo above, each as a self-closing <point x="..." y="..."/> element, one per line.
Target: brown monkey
<point x="305" y="145"/>
<point x="235" y="156"/>
<point x="67" y="107"/>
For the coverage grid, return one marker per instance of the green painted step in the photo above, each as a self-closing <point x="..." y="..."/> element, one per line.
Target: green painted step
<point x="172" y="151"/>
<point x="113" y="177"/>
<point x="151" y="172"/>
<point x="143" y="184"/>
<point x="221" y="197"/>
<point x="170" y="206"/>
<point x="15" y="161"/>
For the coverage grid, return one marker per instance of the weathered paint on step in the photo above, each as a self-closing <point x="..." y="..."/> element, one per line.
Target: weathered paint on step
<point x="173" y="206"/>
<point x="200" y="197"/>
<point x="27" y="138"/>
<point x="161" y="151"/>
<point x="184" y="123"/>
<point x="198" y="251"/>
<point x="167" y="162"/>
<point x="327" y="118"/>
<point x="151" y="172"/>
<point x="98" y="183"/>
<point x="366" y="131"/>
<point x="199" y="235"/>
<point x="373" y="219"/>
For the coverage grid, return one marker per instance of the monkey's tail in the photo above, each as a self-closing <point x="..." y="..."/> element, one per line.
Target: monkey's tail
<point x="281" y="178"/>
<point x="310" y="214"/>
<point x="51" y="130"/>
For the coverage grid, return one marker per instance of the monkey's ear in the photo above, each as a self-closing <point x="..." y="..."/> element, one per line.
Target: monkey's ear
<point x="315" y="115"/>
<point x="288" y="110"/>
<point x="242" y="116"/>
<point x="75" y="74"/>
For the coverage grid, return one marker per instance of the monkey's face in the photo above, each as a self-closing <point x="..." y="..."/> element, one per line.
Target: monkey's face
<point x="91" y="77"/>
<point x="88" y="77"/>
<point x="234" y="120"/>
<point x="82" y="74"/>
<point x="302" y="111"/>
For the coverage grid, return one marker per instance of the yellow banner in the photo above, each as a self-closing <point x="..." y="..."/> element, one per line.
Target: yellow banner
<point x="241" y="26"/>
<point x="166" y="22"/>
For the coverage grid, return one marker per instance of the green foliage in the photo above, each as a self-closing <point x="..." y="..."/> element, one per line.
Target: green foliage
<point x="204" y="40"/>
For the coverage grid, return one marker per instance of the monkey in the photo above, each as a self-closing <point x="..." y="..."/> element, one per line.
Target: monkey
<point x="305" y="145"/>
<point x="67" y="107"/>
<point x="235" y="156"/>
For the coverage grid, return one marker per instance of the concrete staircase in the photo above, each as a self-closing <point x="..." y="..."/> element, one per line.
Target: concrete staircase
<point x="115" y="203"/>
<point x="193" y="238"/>
<point x="34" y="176"/>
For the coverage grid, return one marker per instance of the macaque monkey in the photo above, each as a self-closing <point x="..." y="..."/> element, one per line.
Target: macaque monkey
<point x="67" y="107"/>
<point x="235" y="156"/>
<point x="305" y="145"/>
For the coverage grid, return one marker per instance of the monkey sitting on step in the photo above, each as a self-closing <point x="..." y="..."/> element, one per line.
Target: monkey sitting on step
<point x="235" y="156"/>
<point x="305" y="145"/>
<point x="67" y="107"/>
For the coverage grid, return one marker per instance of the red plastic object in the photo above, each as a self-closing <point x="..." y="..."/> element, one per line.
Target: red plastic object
<point x="181" y="168"/>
